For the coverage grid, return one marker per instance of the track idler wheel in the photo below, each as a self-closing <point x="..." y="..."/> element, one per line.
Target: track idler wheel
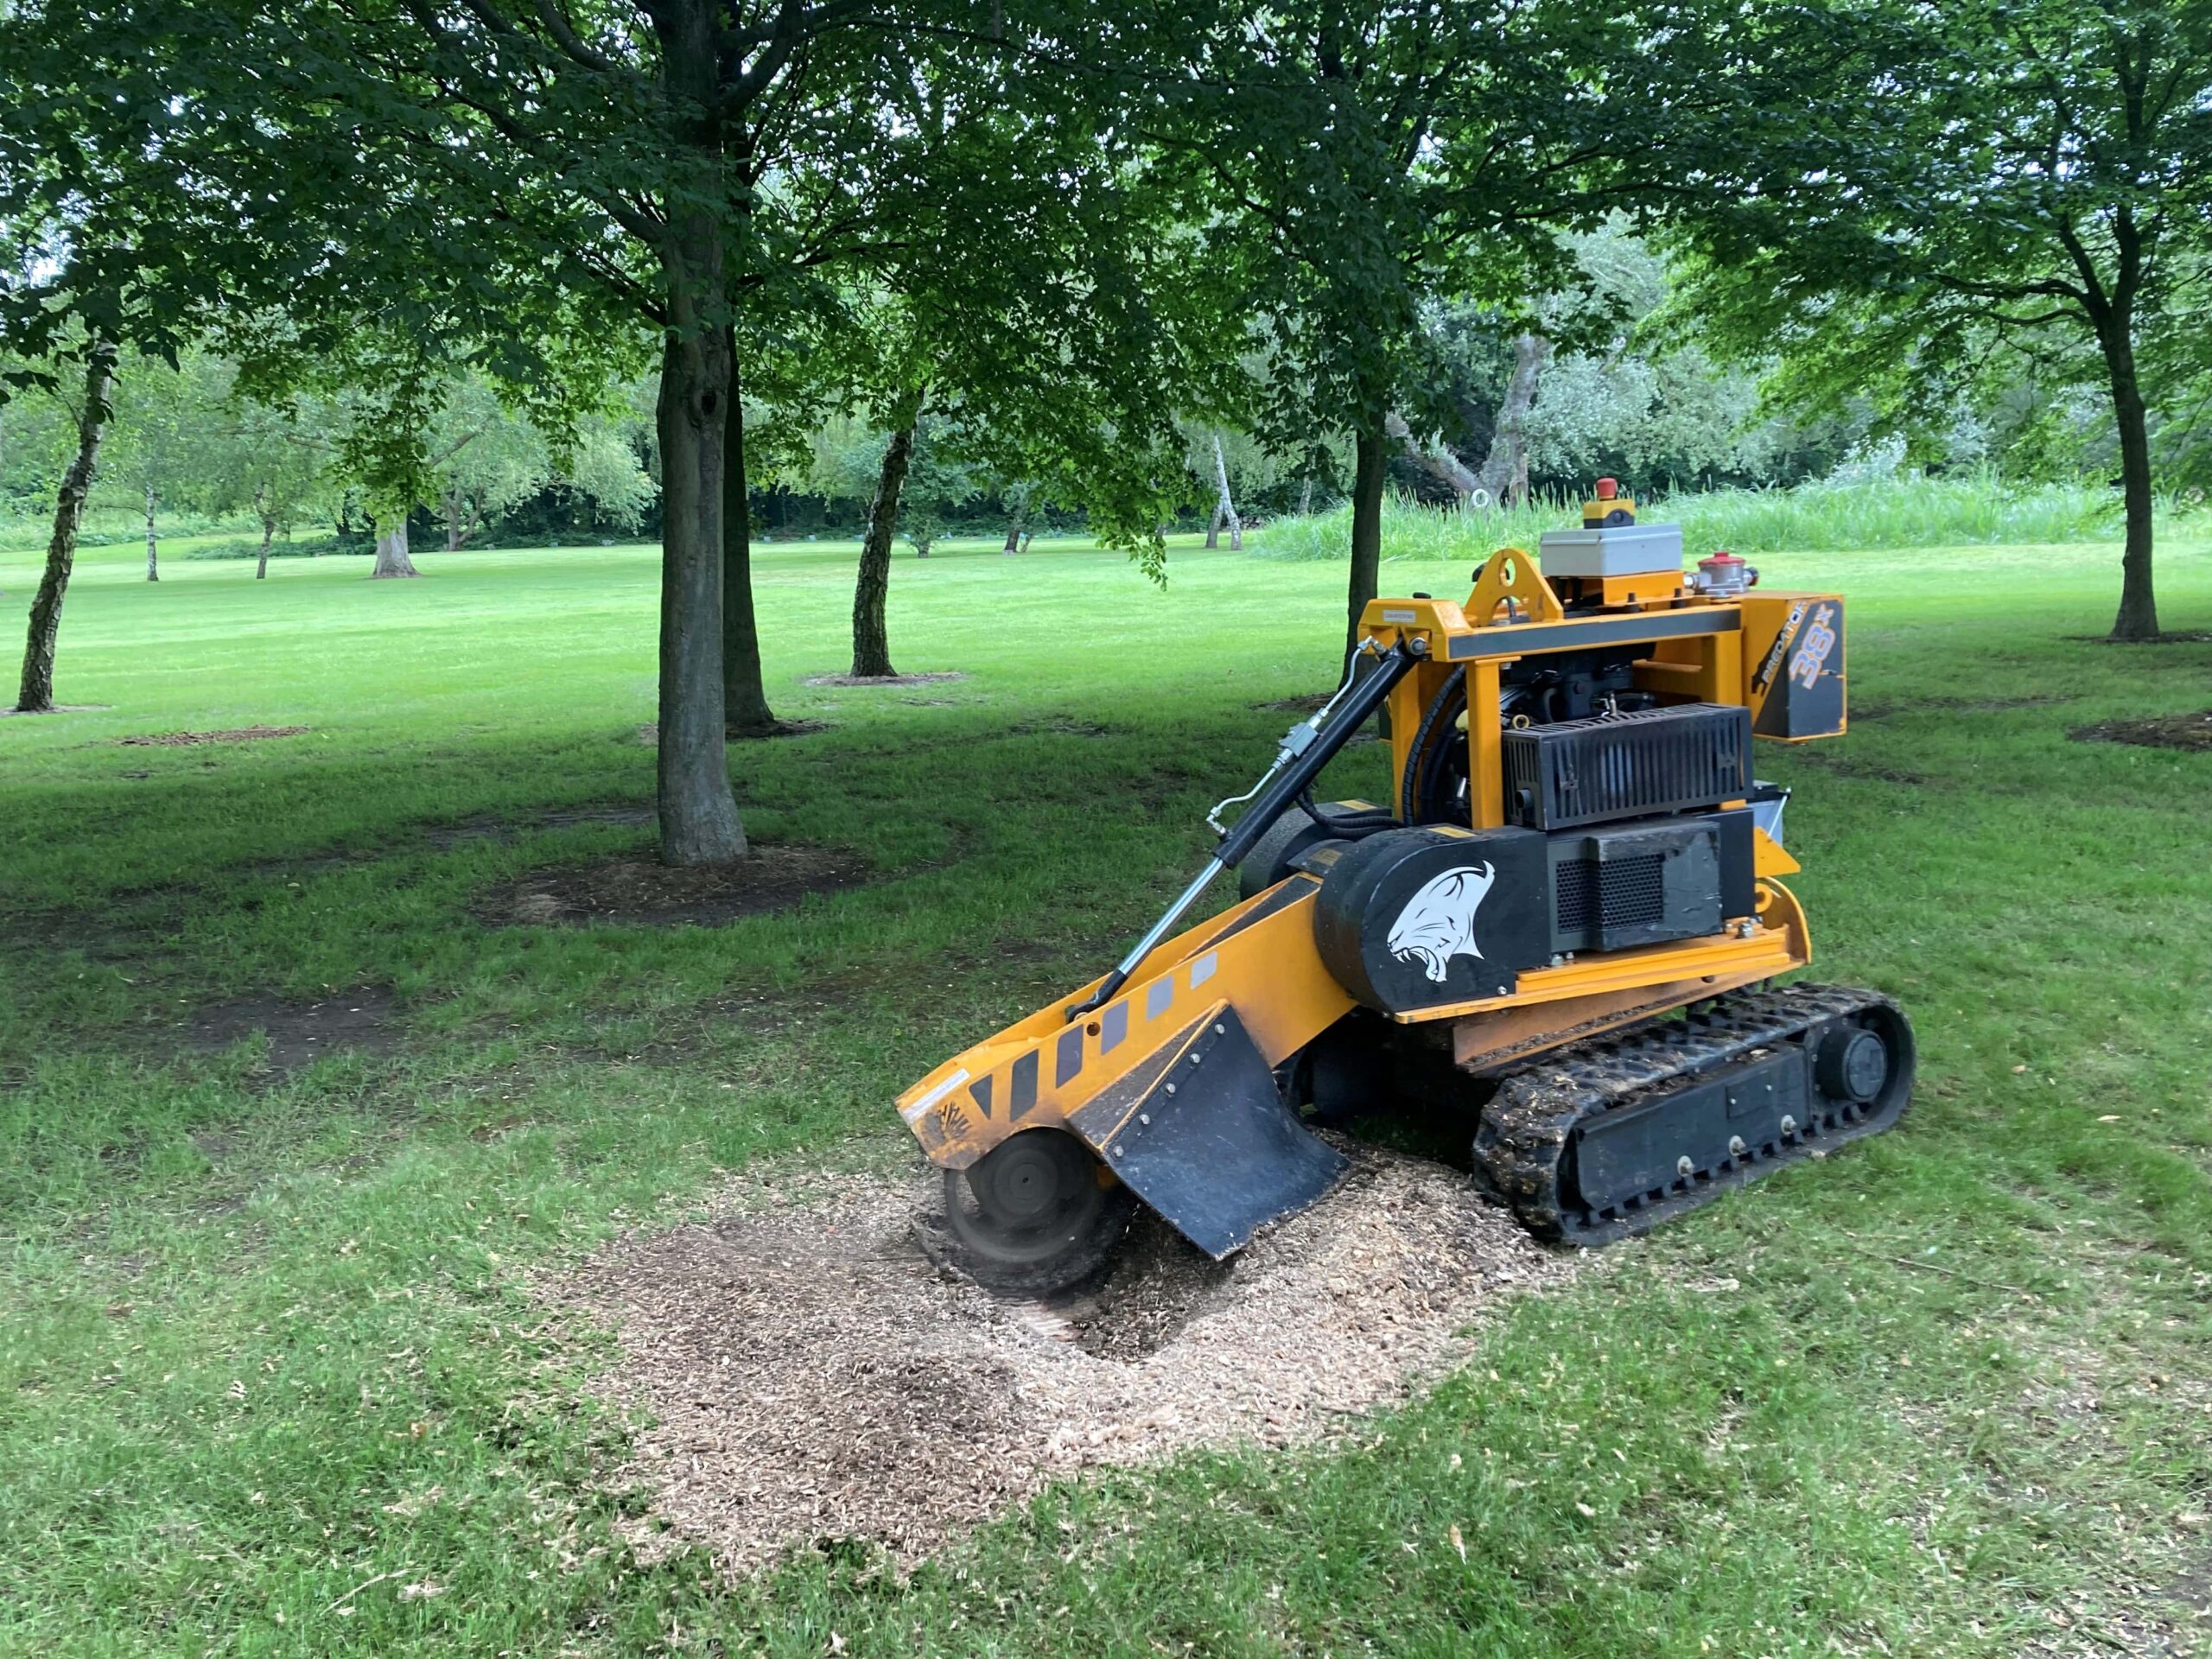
<point x="1036" y="1215"/>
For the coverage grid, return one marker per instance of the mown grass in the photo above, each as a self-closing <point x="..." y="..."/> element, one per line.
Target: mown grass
<point x="1841" y="516"/>
<point x="270" y="1346"/>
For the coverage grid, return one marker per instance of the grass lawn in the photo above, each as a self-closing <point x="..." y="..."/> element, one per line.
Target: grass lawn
<point x="274" y="1380"/>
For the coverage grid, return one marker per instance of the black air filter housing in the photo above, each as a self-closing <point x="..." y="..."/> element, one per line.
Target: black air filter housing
<point x="1655" y="761"/>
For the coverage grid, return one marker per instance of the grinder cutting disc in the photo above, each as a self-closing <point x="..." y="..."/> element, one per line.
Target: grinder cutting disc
<point x="1037" y="1215"/>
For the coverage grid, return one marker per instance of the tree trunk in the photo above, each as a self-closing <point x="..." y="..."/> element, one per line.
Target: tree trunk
<point x="746" y="712"/>
<point x="2138" y="618"/>
<point x="871" y="637"/>
<point x="1438" y="462"/>
<point x="698" y="813"/>
<point x="153" y="558"/>
<point x="1305" y="495"/>
<point x="1013" y="526"/>
<point x="1369" y="471"/>
<point x="391" y="549"/>
<point x="1224" y="508"/>
<point x="35" y="696"/>
<point x="453" y="522"/>
<point x="1505" y="473"/>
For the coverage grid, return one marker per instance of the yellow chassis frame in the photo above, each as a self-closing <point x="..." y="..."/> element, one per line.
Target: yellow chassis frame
<point x="1259" y="957"/>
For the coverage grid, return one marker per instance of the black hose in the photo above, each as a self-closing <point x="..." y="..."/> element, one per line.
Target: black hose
<point x="1409" y="789"/>
<point x="1364" y="697"/>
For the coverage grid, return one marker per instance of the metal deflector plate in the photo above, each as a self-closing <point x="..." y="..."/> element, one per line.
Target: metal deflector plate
<point x="1211" y="1145"/>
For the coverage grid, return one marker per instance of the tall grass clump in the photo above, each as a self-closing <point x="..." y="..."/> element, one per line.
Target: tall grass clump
<point x="1830" y="515"/>
<point x="1896" y="512"/>
<point x="1411" y="531"/>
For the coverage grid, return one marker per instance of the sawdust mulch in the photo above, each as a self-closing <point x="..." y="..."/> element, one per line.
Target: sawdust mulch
<point x="806" y="1375"/>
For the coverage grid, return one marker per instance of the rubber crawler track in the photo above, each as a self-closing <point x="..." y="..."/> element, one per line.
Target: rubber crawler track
<point x="1528" y="1125"/>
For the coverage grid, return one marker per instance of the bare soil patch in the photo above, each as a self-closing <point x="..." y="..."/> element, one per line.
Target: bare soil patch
<point x="1306" y="703"/>
<point x="810" y="1377"/>
<point x="1059" y="726"/>
<point x="642" y="891"/>
<point x="847" y="680"/>
<point x="192" y="740"/>
<point x="2166" y="732"/>
<point x="362" y="1020"/>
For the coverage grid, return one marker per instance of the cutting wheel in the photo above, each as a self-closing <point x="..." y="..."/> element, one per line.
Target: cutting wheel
<point x="1037" y="1214"/>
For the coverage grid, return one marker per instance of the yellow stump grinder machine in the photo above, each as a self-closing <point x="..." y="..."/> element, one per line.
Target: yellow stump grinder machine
<point x="1563" y="924"/>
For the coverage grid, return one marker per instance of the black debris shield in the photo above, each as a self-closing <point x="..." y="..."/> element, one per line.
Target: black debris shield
<point x="1211" y="1144"/>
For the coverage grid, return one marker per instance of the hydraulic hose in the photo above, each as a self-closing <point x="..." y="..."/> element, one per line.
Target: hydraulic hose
<point x="1293" y="772"/>
<point x="1411" y="793"/>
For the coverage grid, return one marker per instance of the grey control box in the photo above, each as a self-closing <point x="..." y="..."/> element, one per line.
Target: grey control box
<point x="1618" y="550"/>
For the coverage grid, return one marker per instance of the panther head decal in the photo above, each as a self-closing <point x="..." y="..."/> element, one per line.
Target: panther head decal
<point x="1438" y="924"/>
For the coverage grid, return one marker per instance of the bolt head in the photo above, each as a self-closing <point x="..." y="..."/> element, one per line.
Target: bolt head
<point x="1684" y="1167"/>
<point x="1788" y="1124"/>
<point x="1171" y="1088"/>
<point x="1735" y="1146"/>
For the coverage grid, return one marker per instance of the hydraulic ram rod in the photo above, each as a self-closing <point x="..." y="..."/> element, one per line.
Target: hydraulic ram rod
<point x="1296" y="766"/>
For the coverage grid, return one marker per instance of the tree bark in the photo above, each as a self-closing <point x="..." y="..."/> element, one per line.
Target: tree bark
<point x="1225" y="509"/>
<point x="1370" y="469"/>
<point x="746" y="712"/>
<point x="393" y="559"/>
<point x="2138" y="618"/>
<point x="1505" y="473"/>
<point x="153" y="559"/>
<point x="1438" y="462"/>
<point x="871" y="635"/>
<point x="1305" y="495"/>
<point x="453" y="522"/>
<point x="268" y="530"/>
<point x="35" y="694"/>
<point x="1015" y="524"/>
<point x="698" y="814"/>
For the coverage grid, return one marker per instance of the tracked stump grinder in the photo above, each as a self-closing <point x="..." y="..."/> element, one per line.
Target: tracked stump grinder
<point x="1564" y="927"/>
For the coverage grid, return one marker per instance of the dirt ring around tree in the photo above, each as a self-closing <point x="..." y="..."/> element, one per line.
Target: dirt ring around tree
<point x="843" y="681"/>
<point x="2165" y="732"/>
<point x="193" y="740"/>
<point x="629" y="891"/>
<point x="803" y="1375"/>
<point x="58" y="709"/>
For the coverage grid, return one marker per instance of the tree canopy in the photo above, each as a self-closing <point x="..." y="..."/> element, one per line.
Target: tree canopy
<point x="1909" y="190"/>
